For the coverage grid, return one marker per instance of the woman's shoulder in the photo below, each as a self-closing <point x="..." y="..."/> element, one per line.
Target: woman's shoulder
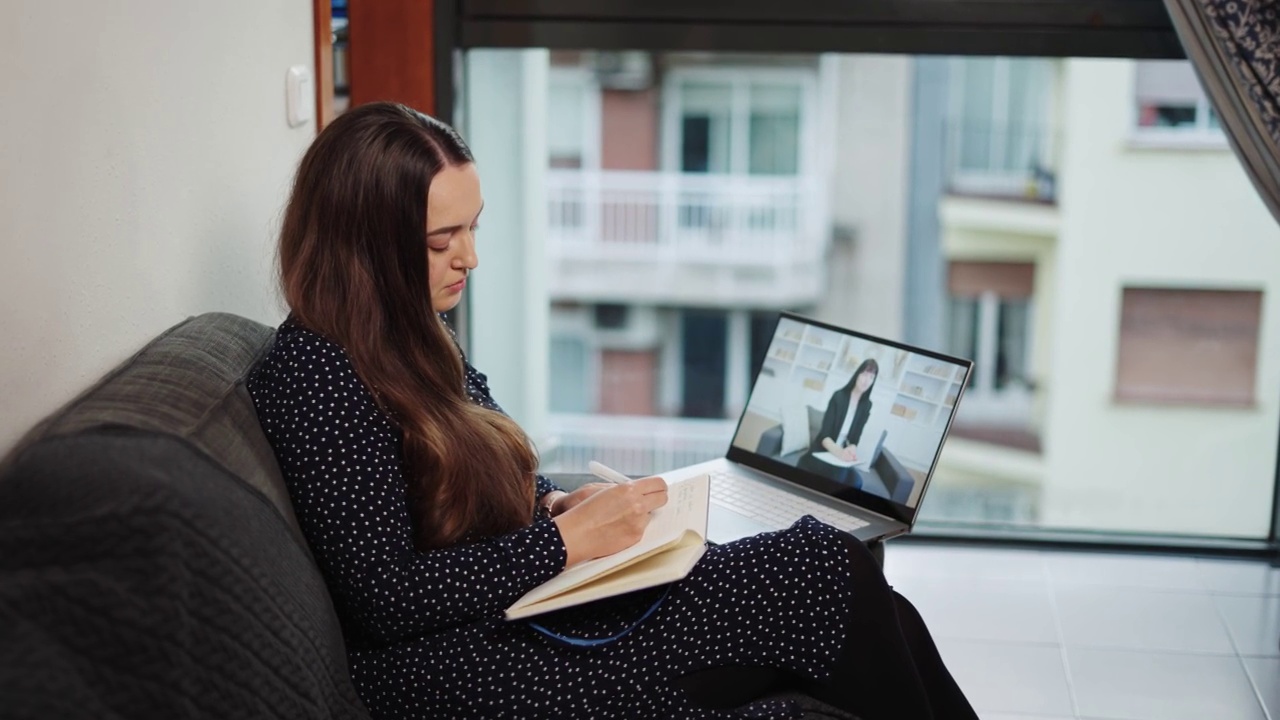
<point x="297" y="340"/>
<point x="300" y="352"/>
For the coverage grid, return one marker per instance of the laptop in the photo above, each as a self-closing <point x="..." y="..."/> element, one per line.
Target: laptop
<point x="765" y="482"/>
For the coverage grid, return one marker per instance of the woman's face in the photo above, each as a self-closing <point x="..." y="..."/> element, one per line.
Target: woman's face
<point x="864" y="380"/>
<point x="453" y="211"/>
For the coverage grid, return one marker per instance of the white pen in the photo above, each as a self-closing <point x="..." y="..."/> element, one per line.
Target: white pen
<point x="607" y="473"/>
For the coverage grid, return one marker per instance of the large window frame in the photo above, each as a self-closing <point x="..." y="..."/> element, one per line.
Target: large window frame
<point x="1134" y="29"/>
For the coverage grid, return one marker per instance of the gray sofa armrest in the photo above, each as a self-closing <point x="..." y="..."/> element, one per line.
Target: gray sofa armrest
<point x="770" y="444"/>
<point x="897" y="479"/>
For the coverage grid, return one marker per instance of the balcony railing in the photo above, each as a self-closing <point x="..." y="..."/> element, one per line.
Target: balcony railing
<point x="652" y="216"/>
<point x="1007" y="160"/>
<point x="632" y="445"/>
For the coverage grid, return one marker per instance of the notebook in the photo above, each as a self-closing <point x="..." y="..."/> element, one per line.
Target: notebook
<point x="763" y="483"/>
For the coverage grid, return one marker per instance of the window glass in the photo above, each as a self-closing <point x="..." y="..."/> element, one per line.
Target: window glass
<point x="1112" y="293"/>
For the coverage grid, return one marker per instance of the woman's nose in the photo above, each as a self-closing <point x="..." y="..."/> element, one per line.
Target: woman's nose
<point x="466" y="257"/>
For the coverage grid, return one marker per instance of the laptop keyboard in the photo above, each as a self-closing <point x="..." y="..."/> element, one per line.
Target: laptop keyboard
<point x="772" y="506"/>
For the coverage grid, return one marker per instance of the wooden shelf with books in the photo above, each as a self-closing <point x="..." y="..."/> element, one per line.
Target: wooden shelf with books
<point x="927" y="391"/>
<point x="804" y="354"/>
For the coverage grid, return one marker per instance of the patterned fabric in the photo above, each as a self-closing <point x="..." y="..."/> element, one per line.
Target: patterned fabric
<point x="1235" y="47"/>
<point x="425" y="632"/>
<point x="1249" y="31"/>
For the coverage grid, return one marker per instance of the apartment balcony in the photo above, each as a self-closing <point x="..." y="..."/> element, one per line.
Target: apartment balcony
<point x="633" y="445"/>
<point x="686" y="239"/>
<point x="1001" y="161"/>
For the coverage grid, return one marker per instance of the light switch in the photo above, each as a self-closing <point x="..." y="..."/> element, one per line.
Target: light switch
<point x="300" y="100"/>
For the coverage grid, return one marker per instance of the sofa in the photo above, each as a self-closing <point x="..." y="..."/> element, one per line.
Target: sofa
<point x="889" y="479"/>
<point x="150" y="561"/>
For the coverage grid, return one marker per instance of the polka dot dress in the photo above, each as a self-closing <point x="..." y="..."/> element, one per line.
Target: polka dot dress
<point x="424" y="631"/>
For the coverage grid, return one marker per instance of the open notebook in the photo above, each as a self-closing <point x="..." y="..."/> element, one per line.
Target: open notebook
<point x="672" y="544"/>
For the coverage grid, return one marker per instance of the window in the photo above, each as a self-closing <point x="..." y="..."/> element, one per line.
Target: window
<point x="734" y="186"/>
<point x="1188" y="346"/>
<point x="704" y="339"/>
<point x="1171" y="106"/>
<point x="728" y="121"/>
<point x="999" y="129"/>
<point x="990" y="323"/>
<point x="610" y="316"/>
<point x="573" y="108"/>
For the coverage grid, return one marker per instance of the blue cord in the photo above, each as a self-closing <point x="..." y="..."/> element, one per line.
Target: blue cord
<point x="597" y="642"/>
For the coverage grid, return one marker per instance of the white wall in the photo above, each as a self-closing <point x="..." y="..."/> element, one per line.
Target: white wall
<point x="1166" y="218"/>
<point x="871" y="147"/>
<point x="144" y="161"/>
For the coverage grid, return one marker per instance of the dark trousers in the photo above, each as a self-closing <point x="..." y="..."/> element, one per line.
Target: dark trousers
<point x="889" y="668"/>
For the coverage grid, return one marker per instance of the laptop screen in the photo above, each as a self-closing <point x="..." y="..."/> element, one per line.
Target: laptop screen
<point x="856" y="417"/>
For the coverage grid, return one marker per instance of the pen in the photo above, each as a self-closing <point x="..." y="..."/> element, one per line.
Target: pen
<point x="606" y="473"/>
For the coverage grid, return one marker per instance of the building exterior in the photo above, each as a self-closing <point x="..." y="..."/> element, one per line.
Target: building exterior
<point x="1114" y="298"/>
<point x="691" y="197"/>
<point x="1078" y="227"/>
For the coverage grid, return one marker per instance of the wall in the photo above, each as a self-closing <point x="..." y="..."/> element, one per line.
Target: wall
<point x="144" y="160"/>
<point x="1185" y="218"/>
<point x="870" y="148"/>
<point x="629" y="132"/>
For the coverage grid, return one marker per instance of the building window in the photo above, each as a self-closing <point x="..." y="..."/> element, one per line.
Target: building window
<point x="610" y="316"/>
<point x="741" y="123"/>
<point x="573" y="118"/>
<point x="1169" y="97"/>
<point x="999" y="131"/>
<point x="704" y="349"/>
<point x="990" y="323"/>
<point x="1188" y="346"/>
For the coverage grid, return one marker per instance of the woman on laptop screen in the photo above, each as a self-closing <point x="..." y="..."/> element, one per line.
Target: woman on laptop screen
<point x="420" y="500"/>
<point x="836" y="444"/>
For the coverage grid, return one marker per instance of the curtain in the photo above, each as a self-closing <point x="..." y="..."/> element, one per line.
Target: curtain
<point x="1235" y="48"/>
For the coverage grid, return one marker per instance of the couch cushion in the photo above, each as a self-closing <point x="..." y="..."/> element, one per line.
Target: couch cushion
<point x="139" y="579"/>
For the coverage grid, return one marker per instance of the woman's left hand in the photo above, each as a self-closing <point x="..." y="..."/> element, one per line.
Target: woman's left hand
<point x="566" y="502"/>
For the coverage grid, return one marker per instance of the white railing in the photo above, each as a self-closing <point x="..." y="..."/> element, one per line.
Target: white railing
<point x="632" y="445"/>
<point x="649" y="216"/>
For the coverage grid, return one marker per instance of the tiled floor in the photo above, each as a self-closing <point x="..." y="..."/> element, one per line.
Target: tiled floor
<point x="1049" y="635"/>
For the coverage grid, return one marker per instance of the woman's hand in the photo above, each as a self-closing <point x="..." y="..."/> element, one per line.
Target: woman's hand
<point x="610" y="519"/>
<point x="830" y="446"/>
<point x="848" y="453"/>
<point x="567" y="502"/>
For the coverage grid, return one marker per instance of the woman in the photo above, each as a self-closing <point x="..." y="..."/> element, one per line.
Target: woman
<point x="843" y="423"/>
<point x="420" y="502"/>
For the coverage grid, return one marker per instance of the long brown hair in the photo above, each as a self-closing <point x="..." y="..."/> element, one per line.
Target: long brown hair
<point x="353" y="266"/>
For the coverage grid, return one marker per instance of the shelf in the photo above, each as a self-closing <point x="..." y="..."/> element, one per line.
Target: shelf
<point x="813" y="368"/>
<point x="917" y="398"/>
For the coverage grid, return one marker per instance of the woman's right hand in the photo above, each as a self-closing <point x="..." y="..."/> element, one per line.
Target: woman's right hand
<point x="611" y="520"/>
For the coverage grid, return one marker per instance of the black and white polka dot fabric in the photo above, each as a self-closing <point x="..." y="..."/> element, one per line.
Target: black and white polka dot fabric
<point x="424" y="631"/>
